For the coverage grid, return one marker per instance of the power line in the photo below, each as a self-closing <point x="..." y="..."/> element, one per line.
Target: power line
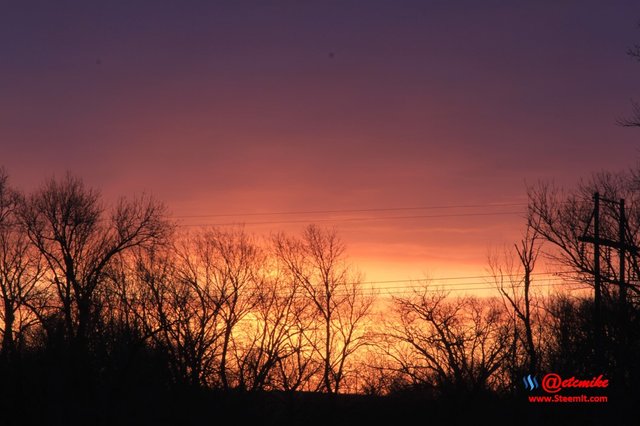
<point x="407" y="290"/>
<point x="429" y="282"/>
<point x="382" y="209"/>
<point x="353" y="219"/>
<point x="483" y="283"/>
<point x="468" y="277"/>
<point x="411" y="290"/>
<point x="449" y="285"/>
<point x="446" y="287"/>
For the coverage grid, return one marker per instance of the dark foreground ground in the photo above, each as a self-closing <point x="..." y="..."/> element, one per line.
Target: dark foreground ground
<point x="272" y="408"/>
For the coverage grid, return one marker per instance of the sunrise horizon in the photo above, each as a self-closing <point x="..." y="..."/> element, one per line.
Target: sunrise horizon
<point x="319" y="212"/>
<point x="339" y="118"/>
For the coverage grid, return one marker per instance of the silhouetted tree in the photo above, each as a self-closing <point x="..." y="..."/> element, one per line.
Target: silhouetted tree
<point x="67" y="223"/>
<point x="271" y="334"/>
<point x="180" y="312"/>
<point x="378" y="374"/>
<point x="316" y="261"/>
<point x="512" y="272"/>
<point x="20" y="273"/>
<point x="297" y="366"/>
<point x="561" y="217"/>
<point x="236" y="269"/>
<point x="634" y="119"/>
<point x="194" y="297"/>
<point x="455" y="345"/>
<point x="568" y="342"/>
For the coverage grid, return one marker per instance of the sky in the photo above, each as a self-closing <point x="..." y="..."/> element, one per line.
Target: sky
<point x="412" y="127"/>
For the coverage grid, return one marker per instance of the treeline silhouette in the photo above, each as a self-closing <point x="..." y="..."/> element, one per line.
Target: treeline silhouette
<point x="111" y="315"/>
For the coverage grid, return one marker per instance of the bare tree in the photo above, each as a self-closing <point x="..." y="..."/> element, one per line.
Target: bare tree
<point x="561" y="217"/>
<point x="317" y="263"/>
<point x="567" y="341"/>
<point x="454" y="345"/>
<point x="634" y="119"/>
<point x="198" y="295"/>
<point x="377" y="371"/>
<point x="297" y="365"/>
<point x="180" y="311"/>
<point x="271" y="334"/>
<point x="512" y="273"/>
<point x="234" y="267"/>
<point x="67" y="223"/>
<point x="20" y="271"/>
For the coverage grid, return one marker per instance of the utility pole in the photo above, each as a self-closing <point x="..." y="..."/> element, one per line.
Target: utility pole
<point x="597" y="283"/>
<point x="597" y="298"/>
<point x="623" y="248"/>
<point x="597" y="278"/>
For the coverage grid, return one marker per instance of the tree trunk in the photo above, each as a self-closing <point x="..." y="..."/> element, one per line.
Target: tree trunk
<point x="327" y="347"/>
<point x="531" y="349"/>
<point x="8" y="343"/>
<point x="84" y="318"/>
<point x="223" y="359"/>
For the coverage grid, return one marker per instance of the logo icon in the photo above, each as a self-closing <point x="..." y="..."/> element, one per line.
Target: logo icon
<point x="552" y="383"/>
<point x="530" y="382"/>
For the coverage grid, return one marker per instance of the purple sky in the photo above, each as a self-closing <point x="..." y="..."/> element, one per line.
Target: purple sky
<point x="254" y="107"/>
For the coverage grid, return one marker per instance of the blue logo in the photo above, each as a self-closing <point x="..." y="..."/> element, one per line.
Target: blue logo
<point x="530" y="382"/>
